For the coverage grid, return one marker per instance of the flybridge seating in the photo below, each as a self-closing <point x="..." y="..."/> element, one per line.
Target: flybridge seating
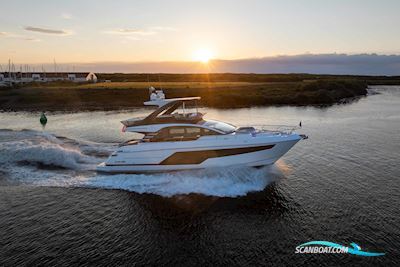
<point x="165" y="112"/>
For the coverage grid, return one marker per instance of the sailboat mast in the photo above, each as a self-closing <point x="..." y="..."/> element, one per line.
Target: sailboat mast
<point x="9" y="71"/>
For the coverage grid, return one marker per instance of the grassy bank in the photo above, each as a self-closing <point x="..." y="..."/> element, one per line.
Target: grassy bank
<point x="222" y="94"/>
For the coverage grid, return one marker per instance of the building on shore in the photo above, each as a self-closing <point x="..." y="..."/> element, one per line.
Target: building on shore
<point x="10" y="78"/>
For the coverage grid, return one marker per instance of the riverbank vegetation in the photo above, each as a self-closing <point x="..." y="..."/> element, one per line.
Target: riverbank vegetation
<point x="219" y="91"/>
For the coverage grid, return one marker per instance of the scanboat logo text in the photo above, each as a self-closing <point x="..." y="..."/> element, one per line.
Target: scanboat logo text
<point x="314" y="247"/>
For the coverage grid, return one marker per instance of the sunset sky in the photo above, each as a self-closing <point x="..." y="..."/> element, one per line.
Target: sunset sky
<point x="33" y="32"/>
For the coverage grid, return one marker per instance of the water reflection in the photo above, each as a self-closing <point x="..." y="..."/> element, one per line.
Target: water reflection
<point x="269" y="200"/>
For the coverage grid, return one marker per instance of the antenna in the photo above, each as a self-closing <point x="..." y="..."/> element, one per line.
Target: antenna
<point x="9" y="71"/>
<point x="54" y="63"/>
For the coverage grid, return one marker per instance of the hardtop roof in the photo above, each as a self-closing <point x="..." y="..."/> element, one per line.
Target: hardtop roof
<point x="162" y="102"/>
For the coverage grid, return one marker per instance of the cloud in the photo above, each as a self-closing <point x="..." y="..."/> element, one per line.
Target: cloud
<point x="130" y="32"/>
<point x="46" y="31"/>
<point x="143" y="32"/>
<point x="66" y="16"/>
<point x="135" y="38"/>
<point x="164" y="29"/>
<point x="18" y="36"/>
<point x="31" y="39"/>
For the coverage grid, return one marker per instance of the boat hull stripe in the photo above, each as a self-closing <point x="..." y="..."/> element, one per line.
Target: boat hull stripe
<point x="197" y="157"/>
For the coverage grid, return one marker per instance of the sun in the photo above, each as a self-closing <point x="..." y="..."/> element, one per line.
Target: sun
<point x="202" y="55"/>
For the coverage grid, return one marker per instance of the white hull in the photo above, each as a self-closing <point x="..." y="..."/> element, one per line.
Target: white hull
<point x="206" y="152"/>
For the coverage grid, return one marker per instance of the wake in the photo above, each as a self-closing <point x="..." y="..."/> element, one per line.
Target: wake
<point x="42" y="159"/>
<point x="222" y="182"/>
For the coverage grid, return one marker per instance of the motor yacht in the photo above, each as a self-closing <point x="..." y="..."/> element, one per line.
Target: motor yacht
<point x="180" y="140"/>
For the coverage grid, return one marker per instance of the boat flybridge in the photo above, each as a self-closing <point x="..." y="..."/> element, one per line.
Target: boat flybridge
<point x="176" y="140"/>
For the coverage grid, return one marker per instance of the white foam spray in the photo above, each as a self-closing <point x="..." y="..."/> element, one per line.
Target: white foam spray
<point x="221" y="182"/>
<point x="21" y="151"/>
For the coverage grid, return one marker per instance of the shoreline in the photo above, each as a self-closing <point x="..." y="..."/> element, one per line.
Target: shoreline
<point x="56" y="110"/>
<point x="128" y="95"/>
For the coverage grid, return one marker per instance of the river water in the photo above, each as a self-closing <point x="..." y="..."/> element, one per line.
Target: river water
<point x="341" y="185"/>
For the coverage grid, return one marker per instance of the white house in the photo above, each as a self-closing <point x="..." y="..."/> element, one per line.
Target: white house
<point x="6" y="78"/>
<point x="71" y="76"/>
<point x="2" y="80"/>
<point x="76" y="77"/>
<point x="91" y="77"/>
<point x="36" y="76"/>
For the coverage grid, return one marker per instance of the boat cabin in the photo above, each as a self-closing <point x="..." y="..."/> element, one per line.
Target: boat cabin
<point x="167" y="124"/>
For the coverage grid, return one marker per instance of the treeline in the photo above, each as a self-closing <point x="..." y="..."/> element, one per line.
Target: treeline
<point x="324" y="92"/>
<point x="330" y="91"/>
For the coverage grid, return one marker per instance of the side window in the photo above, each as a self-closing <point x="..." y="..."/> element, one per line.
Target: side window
<point x="181" y="134"/>
<point x="209" y="132"/>
<point x="170" y="134"/>
<point x="176" y="131"/>
<point x="193" y="131"/>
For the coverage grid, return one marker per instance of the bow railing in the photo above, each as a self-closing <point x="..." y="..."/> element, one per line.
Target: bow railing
<point x="279" y="129"/>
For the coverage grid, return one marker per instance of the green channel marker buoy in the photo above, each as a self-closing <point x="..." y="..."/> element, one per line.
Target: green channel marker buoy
<point x="43" y="119"/>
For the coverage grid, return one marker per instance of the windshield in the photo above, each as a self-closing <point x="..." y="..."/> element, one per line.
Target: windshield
<point x="221" y="126"/>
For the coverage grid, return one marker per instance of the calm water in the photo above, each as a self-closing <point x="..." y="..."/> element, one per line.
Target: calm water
<point x="341" y="185"/>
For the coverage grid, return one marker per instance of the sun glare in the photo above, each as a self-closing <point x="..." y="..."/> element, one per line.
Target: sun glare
<point x="203" y="55"/>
